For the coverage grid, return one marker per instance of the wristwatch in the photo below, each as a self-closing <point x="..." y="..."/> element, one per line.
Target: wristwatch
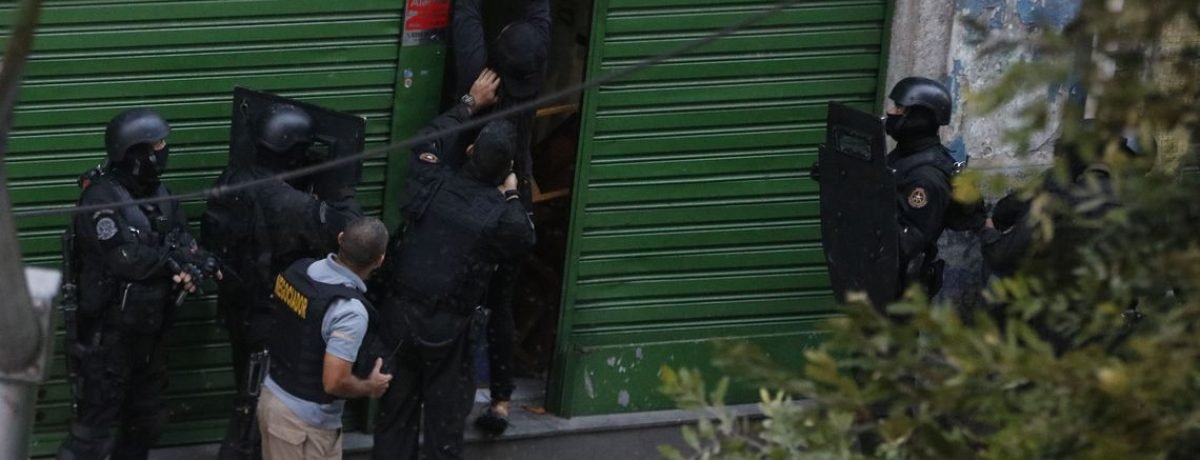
<point x="468" y="100"/>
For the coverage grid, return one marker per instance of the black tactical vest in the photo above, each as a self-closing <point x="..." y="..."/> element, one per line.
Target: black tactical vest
<point x="101" y="289"/>
<point x="297" y="348"/>
<point x="926" y="267"/>
<point x="147" y="232"/>
<point x="444" y="260"/>
<point x="959" y="216"/>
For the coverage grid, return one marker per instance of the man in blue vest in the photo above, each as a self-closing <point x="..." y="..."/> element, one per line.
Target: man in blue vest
<point x="321" y="321"/>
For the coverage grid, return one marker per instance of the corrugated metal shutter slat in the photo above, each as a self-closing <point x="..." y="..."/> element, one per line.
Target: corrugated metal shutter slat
<point x="695" y="218"/>
<point x="95" y="58"/>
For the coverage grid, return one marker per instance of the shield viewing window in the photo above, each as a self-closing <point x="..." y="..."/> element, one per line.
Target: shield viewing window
<point x="319" y="151"/>
<point x="852" y="143"/>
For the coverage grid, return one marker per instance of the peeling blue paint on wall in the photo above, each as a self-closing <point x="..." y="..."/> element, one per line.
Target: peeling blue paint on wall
<point x="958" y="148"/>
<point x="954" y="80"/>
<point x="1057" y="13"/>
<point x="1052" y="91"/>
<point x="996" y="10"/>
<point x="981" y="137"/>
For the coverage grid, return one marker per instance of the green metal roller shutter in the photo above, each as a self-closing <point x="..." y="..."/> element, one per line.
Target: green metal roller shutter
<point x="694" y="217"/>
<point x="96" y="58"/>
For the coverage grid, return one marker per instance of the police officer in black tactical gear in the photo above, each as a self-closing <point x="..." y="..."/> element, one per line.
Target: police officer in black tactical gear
<point x="513" y="38"/>
<point x="923" y="169"/>
<point x="461" y="223"/>
<point x="1080" y="189"/>
<point x="259" y="232"/>
<point x="133" y="262"/>
<point x="1009" y="235"/>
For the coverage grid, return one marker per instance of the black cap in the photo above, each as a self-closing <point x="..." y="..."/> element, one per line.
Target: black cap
<point x="284" y="127"/>
<point x="133" y="127"/>
<point x="923" y="92"/>
<point x="521" y="59"/>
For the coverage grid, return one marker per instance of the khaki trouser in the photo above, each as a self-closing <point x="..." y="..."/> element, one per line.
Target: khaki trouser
<point x="286" y="437"/>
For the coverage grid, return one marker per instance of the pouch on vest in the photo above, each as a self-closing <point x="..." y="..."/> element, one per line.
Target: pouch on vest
<point x="94" y="385"/>
<point x="434" y="334"/>
<point x="142" y="307"/>
<point x="373" y="347"/>
<point x="100" y="293"/>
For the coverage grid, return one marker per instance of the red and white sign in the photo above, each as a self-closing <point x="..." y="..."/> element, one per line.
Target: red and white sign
<point x="424" y="19"/>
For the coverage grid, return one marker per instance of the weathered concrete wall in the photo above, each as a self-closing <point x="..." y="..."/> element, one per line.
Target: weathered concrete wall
<point x="930" y="39"/>
<point x="982" y="136"/>
<point x="1175" y="146"/>
<point x="920" y="41"/>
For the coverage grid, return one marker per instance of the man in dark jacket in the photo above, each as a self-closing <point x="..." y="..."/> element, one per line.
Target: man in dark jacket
<point x="461" y="223"/>
<point x="514" y="39"/>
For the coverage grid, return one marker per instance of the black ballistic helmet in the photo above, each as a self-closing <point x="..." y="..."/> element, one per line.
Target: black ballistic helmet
<point x="133" y="127"/>
<point x="923" y="92"/>
<point x="283" y="127"/>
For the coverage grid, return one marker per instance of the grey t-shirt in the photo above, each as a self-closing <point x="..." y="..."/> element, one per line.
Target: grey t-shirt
<point x="343" y="328"/>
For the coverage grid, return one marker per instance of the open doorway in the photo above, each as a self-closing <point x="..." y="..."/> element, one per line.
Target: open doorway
<point x="555" y="145"/>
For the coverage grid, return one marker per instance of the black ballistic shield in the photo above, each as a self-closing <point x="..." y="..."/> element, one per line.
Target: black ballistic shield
<point x="858" y="207"/>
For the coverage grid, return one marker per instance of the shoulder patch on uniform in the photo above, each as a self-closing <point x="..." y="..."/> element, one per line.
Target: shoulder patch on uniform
<point x="918" y="198"/>
<point x="106" y="228"/>
<point x="428" y="157"/>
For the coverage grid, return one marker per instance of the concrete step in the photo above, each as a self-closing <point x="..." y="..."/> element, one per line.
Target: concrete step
<point x="539" y="437"/>
<point x="536" y="436"/>
<point x="544" y="437"/>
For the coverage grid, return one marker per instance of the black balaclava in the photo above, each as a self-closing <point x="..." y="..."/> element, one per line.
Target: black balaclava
<point x="141" y="169"/>
<point x="287" y="160"/>
<point x="916" y="124"/>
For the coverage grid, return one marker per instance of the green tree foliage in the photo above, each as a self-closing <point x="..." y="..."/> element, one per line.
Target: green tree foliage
<point x="1059" y="367"/>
